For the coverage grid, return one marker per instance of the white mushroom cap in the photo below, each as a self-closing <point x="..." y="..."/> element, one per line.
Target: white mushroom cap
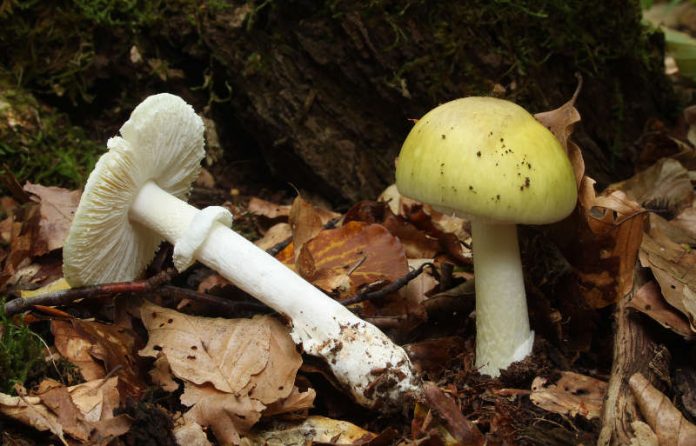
<point x="161" y="142"/>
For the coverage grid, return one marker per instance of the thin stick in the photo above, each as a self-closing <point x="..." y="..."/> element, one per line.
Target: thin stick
<point x="275" y="249"/>
<point x="392" y="287"/>
<point x="232" y="306"/>
<point x="65" y="297"/>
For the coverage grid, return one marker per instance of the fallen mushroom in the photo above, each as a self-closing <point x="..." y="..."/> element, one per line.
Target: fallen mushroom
<point x="490" y="161"/>
<point x="135" y="197"/>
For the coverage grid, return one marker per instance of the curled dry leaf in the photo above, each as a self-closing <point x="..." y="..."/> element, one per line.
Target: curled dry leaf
<point x="573" y="394"/>
<point x="666" y="251"/>
<point x="225" y="413"/>
<point x="57" y="207"/>
<point x="306" y="221"/>
<point x="665" y="183"/>
<point x="79" y="411"/>
<point x="99" y="349"/>
<point x="190" y="433"/>
<point x="666" y="421"/>
<point x="315" y="429"/>
<point x="561" y="122"/>
<point x="275" y="234"/>
<point x="267" y="209"/>
<point x="649" y="301"/>
<point x="606" y="248"/>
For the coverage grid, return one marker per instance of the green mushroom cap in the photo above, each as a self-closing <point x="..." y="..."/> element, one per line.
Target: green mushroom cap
<point x="487" y="158"/>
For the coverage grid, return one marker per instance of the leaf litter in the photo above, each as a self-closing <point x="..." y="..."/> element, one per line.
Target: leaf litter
<point x="243" y="380"/>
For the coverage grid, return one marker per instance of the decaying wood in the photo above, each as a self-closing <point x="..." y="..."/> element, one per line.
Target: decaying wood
<point x="635" y="351"/>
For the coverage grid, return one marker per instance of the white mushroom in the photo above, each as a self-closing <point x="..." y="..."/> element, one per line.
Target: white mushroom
<point x="134" y="198"/>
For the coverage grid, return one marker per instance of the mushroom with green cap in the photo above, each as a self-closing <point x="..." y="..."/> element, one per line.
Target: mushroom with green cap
<point x="135" y="198"/>
<point x="490" y="161"/>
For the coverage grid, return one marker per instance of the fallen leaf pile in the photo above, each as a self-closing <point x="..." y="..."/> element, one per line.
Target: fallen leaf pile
<point x="232" y="369"/>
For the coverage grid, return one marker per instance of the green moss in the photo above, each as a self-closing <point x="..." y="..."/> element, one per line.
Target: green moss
<point x="38" y="143"/>
<point x="21" y="354"/>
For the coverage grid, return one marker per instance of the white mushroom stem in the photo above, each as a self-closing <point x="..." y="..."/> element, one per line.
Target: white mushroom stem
<point x="363" y="359"/>
<point x="503" y="335"/>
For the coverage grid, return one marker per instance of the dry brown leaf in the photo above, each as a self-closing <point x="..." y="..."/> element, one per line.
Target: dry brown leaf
<point x="231" y="369"/>
<point x="666" y="421"/>
<point x="665" y="182"/>
<point x="57" y="207"/>
<point x="295" y="402"/>
<point x="190" y="433"/>
<point x="276" y="380"/>
<point x="306" y="221"/>
<point x="161" y="375"/>
<point x="607" y="244"/>
<point x="227" y="414"/>
<point x="649" y="301"/>
<point x="76" y="411"/>
<point x="223" y="352"/>
<point x="356" y="253"/>
<point x="275" y="234"/>
<point x="561" y="122"/>
<point x="315" y="429"/>
<point x="98" y="349"/>
<point x="686" y="221"/>
<point x="573" y="394"/>
<point x="673" y="263"/>
<point x="258" y="206"/>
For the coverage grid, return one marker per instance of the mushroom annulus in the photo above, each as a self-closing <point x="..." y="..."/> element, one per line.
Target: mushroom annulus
<point x="490" y="161"/>
<point x="135" y="197"/>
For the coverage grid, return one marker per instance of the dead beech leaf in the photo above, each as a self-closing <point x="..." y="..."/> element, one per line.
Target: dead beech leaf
<point x="227" y="415"/>
<point x="673" y="263"/>
<point x="161" y="375"/>
<point x="75" y="411"/>
<point x="666" y="421"/>
<point x="98" y="349"/>
<point x="561" y="123"/>
<point x="315" y="429"/>
<point x="665" y="182"/>
<point x="306" y="221"/>
<point x="358" y="252"/>
<point x="230" y="354"/>
<point x="57" y="207"/>
<point x="686" y="221"/>
<point x="190" y="433"/>
<point x="275" y="234"/>
<point x="649" y="301"/>
<point x="573" y="394"/>
<point x="258" y="206"/>
<point x="606" y="247"/>
<point x="295" y="402"/>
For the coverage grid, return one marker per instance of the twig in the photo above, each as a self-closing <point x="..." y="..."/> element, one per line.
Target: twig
<point x="275" y="249"/>
<point x="64" y="297"/>
<point x="231" y="305"/>
<point x="392" y="287"/>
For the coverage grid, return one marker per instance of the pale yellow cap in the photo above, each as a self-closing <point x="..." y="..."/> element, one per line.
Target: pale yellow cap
<point x="487" y="158"/>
